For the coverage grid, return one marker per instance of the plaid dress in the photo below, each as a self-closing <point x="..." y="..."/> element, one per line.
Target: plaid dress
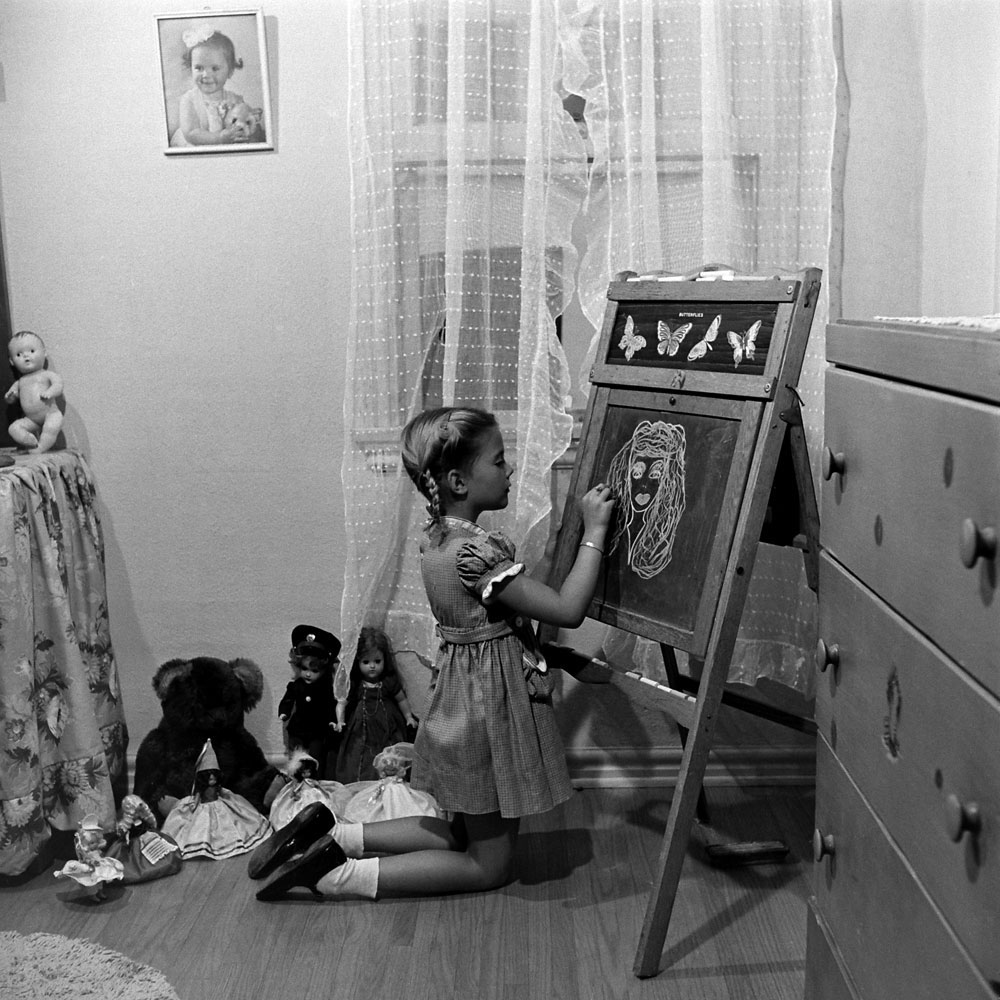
<point x="489" y="741"/>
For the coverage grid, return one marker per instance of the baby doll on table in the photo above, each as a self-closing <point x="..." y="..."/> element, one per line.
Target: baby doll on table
<point x="308" y="707"/>
<point x="36" y="390"/>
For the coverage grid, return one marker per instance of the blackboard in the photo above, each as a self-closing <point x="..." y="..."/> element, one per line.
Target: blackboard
<point x="677" y="466"/>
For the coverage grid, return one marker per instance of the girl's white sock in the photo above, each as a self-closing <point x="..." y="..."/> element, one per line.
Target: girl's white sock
<point x="355" y="877"/>
<point x="351" y="837"/>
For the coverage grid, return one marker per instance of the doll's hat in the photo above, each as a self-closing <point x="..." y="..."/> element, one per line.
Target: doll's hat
<point x="296" y="760"/>
<point x="90" y="822"/>
<point x="207" y="761"/>
<point x="312" y="641"/>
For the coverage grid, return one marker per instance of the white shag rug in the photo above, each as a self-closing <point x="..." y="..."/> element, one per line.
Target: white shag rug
<point x="52" y="967"/>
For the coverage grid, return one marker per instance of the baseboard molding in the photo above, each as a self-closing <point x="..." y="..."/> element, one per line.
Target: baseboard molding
<point x="642" y="767"/>
<point x="655" y="767"/>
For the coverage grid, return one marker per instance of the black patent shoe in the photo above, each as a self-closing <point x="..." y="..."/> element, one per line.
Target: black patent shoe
<point x="293" y="838"/>
<point x="305" y="871"/>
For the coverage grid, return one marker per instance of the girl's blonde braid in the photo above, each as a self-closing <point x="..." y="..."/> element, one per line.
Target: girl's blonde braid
<point x="434" y="496"/>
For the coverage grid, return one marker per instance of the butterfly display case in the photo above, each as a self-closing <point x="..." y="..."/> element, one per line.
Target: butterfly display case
<point x="718" y="336"/>
<point x="907" y="839"/>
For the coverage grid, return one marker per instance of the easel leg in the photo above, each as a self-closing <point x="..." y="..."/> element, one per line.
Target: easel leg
<point x="683" y="807"/>
<point x="687" y="805"/>
<point x="673" y="679"/>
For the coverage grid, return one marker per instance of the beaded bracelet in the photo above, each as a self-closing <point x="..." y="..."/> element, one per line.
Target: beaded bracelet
<point x="592" y="545"/>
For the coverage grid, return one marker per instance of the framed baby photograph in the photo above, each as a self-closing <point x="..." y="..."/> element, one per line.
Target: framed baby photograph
<point x="213" y="68"/>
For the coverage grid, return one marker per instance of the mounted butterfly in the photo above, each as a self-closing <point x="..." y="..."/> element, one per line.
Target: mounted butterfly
<point x="743" y="344"/>
<point x="631" y="341"/>
<point x="670" y="340"/>
<point x="705" y="344"/>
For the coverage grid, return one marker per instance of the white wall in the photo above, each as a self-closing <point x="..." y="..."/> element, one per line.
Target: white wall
<point x="961" y="66"/>
<point x="196" y="307"/>
<point x="921" y="180"/>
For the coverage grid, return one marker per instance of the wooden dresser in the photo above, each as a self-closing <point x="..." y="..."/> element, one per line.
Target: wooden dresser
<point x="906" y="882"/>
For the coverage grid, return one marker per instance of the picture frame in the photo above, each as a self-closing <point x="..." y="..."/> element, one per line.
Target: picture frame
<point x="227" y="107"/>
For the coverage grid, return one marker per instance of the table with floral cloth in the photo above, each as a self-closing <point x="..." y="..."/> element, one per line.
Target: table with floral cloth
<point x="62" y="725"/>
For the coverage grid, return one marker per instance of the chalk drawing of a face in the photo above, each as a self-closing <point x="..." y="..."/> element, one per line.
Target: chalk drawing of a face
<point x="647" y="478"/>
<point x="646" y="472"/>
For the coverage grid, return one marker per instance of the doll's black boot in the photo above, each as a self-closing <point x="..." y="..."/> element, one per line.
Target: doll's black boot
<point x="293" y="838"/>
<point x="305" y="871"/>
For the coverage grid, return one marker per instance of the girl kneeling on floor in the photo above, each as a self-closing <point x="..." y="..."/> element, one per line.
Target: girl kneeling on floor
<point x="489" y="737"/>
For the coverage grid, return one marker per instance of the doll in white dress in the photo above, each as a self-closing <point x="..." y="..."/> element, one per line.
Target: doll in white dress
<point x="91" y="869"/>
<point x="391" y="797"/>
<point x="298" y="786"/>
<point x="213" y="822"/>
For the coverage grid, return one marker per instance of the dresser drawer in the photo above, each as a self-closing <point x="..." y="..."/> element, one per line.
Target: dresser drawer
<point x="826" y="979"/>
<point x="920" y="740"/>
<point x="921" y="475"/>
<point x="888" y="932"/>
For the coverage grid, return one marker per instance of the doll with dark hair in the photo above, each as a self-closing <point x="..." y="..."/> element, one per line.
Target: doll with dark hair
<point x="377" y="712"/>
<point x="297" y="786"/>
<point x="308" y="707"/>
<point x="213" y="822"/>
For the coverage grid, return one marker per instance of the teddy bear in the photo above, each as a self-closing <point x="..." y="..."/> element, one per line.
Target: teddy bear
<point x="245" y="122"/>
<point x="203" y="698"/>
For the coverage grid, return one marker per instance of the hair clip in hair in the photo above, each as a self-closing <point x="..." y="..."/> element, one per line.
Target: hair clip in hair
<point x="444" y="429"/>
<point x="197" y="36"/>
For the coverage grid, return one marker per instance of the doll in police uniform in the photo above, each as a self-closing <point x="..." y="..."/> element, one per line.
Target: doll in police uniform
<point x="308" y="707"/>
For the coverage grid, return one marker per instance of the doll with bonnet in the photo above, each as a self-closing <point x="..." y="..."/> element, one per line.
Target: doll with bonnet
<point x="91" y="869"/>
<point x="212" y="821"/>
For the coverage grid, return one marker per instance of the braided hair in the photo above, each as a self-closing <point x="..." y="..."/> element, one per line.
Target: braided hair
<point x="435" y="442"/>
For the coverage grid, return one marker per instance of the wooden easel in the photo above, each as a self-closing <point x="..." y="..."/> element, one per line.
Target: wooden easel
<point x="762" y="400"/>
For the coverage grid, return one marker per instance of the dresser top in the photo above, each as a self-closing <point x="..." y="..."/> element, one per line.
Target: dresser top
<point x="959" y="359"/>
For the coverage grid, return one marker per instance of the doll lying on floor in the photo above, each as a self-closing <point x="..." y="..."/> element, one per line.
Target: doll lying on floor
<point x="212" y="821"/>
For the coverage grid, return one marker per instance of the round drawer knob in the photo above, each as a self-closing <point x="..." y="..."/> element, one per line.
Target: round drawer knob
<point x="823" y="845"/>
<point x="977" y="543"/>
<point x="827" y="656"/>
<point x="834" y="464"/>
<point x="961" y="816"/>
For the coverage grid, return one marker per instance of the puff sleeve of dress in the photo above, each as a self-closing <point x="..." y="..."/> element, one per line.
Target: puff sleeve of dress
<point x="486" y="563"/>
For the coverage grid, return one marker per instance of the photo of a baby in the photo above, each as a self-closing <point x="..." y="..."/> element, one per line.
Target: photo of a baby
<point x="215" y="85"/>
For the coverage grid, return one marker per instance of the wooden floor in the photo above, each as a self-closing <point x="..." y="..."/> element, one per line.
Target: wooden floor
<point x="567" y="928"/>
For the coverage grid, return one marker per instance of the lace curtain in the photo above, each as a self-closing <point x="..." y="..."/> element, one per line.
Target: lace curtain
<point x="707" y="138"/>
<point x="711" y="130"/>
<point x="467" y="178"/>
